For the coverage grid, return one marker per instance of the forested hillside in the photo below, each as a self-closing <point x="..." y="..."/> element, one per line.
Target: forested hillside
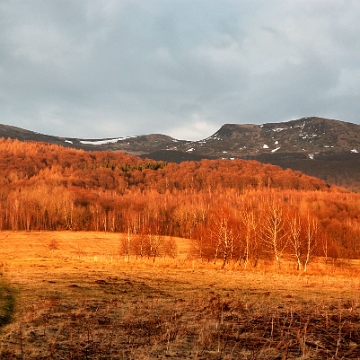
<point x="233" y="210"/>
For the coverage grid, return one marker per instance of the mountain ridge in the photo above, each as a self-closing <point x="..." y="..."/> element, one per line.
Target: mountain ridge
<point x="309" y="134"/>
<point x="294" y="144"/>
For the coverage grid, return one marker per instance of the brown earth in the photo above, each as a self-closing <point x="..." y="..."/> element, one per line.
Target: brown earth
<point x="76" y="298"/>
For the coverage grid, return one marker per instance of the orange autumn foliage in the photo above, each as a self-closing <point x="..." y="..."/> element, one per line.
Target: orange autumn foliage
<point x="47" y="187"/>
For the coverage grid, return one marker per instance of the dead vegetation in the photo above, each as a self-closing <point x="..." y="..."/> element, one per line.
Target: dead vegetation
<point x="81" y="300"/>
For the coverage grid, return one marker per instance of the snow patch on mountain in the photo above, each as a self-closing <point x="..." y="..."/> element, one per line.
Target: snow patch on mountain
<point x="305" y="136"/>
<point x="103" y="142"/>
<point x="274" y="150"/>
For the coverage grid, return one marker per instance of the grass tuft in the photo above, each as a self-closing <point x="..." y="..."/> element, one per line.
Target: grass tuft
<point x="7" y="303"/>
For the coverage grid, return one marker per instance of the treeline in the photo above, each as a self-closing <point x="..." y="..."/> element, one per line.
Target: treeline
<point x="233" y="210"/>
<point x="26" y="163"/>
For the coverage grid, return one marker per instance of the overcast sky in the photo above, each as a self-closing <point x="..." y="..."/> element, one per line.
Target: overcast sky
<point x="110" y="68"/>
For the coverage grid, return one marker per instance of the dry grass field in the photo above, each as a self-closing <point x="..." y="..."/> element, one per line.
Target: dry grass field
<point x="70" y="295"/>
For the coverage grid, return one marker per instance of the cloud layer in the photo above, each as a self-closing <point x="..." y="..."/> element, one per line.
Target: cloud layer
<point x="184" y="68"/>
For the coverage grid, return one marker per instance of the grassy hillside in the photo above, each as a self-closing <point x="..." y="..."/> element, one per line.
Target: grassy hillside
<point x="77" y="298"/>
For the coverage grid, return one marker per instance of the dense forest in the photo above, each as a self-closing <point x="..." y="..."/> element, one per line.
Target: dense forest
<point x="237" y="210"/>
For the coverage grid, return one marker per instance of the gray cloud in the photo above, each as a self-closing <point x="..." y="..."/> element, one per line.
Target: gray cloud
<point x="184" y="68"/>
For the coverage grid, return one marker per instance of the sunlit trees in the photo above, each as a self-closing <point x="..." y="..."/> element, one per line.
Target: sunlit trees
<point x="303" y="237"/>
<point x="295" y="238"/>
<point x="234" y="211"/>
<point x="251" y="247"/>
<point x="126" y="247"/>
<point x="311" y="239"/>
<point x="273" y="229"/>
<point x="225" y="239"/>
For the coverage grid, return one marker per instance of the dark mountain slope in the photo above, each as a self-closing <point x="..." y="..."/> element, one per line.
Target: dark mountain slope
<point x="320" y="147"/>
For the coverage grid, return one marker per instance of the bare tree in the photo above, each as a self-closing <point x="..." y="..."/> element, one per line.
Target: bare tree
<point x="225" y="240"/>
<point x="154" y="242"/>
<point x="250" y="240"/>
<point x="273" y="230"/>
<point x="127" y="244"/>
<point x="295" y="238"/>
<point x="170" y="248"/>
<point x="311" y="239"/>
